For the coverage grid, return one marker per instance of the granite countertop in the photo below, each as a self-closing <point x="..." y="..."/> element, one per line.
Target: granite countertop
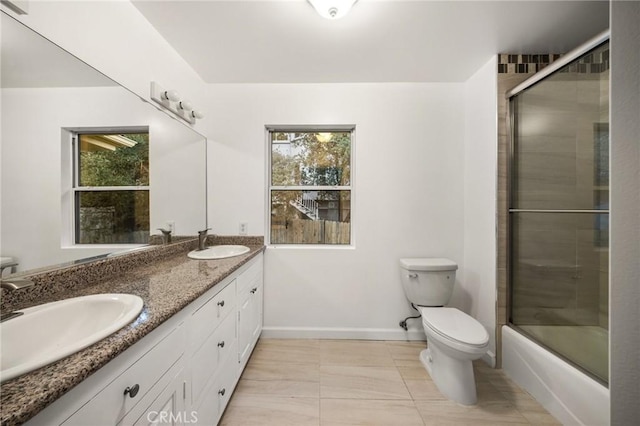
<point x="166" y="286"/>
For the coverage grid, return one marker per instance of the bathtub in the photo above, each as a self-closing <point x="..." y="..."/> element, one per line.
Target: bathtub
<point x="568" y="394"/>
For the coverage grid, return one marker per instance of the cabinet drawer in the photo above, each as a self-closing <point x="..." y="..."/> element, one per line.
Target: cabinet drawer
<point x="111" y="404"/>
<point x="251" y="277"/>
<point x="209" y="357"/>
<point x="208" y="317"/>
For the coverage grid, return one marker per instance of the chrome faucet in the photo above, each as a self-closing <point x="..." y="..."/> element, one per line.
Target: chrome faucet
<point x="15" y="283"/>
<point x="202" y="238"/>
<point x="166" y="235"/>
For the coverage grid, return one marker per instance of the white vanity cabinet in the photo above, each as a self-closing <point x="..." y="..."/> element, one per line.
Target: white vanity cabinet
<point x="183" y="372"/>
<point x="220" y="350"/>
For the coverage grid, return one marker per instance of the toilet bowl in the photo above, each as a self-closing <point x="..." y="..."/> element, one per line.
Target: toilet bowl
<point x="454" y="339"/>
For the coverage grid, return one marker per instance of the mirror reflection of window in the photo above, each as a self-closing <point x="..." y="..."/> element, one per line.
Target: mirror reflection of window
<point x="111" y="188"/>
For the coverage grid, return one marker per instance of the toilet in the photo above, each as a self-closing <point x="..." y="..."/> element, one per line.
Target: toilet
<point x="454" y="339"/>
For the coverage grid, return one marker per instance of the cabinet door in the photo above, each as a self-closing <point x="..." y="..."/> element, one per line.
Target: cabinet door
<point x="256" y="312"/>
<point x="249" y="322"/>
<point x="167" y="409"/>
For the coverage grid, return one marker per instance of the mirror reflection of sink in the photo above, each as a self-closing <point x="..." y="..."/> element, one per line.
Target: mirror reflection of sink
<point x="218" y="252"/>
<point x="49" y="332"/>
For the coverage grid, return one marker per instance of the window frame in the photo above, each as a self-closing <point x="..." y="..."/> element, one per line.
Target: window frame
<point x="269" y="130"/>
<point x="75" y="188"/>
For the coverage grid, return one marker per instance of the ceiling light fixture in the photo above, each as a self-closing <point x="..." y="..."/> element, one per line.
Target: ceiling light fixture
<point x="170" y="99"/>
<point x="332" y="9"/>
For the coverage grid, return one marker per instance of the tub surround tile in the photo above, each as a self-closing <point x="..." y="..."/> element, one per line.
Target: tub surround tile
<point x="163" y="277"/>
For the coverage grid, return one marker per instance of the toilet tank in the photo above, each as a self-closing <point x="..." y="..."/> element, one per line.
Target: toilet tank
<point x="428" y="281"/>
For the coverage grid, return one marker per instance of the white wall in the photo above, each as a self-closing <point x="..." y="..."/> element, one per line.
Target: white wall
<point x="480" y="191"/>
<point x="32" y="177"/>
<point x="624" y="286"/>
<point x="115" y="38"/>
<point x="408" y="197"/>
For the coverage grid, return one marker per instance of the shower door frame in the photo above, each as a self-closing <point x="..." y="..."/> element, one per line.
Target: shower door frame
<point x="531" y="81"/>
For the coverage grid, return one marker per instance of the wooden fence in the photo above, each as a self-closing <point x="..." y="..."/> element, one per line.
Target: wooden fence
<point x="304" y="231"/>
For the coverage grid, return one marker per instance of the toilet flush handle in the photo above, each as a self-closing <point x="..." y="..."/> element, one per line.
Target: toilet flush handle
<point x="412" y="275"/>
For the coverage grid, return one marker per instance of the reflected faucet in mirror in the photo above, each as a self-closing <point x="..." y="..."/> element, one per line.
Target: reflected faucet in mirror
<point x="166" y="235"/>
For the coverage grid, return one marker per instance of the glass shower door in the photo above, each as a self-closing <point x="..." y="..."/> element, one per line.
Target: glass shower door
<point x="559" y="212"/>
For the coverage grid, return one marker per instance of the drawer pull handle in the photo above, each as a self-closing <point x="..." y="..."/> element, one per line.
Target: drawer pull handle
<point x="221" y="303"/>
<point x="253" y="290"/>
<point x="132" y="391"/>
<point x="221" y="344"/>
<point x="222" y="391"/>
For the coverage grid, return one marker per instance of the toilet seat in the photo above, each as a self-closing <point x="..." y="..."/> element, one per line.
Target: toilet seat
<point x="454" y="325"/>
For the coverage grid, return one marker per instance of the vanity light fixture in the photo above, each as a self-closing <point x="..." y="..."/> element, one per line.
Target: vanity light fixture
<point x="170" y="99"/>
<point x="332" y="9"/>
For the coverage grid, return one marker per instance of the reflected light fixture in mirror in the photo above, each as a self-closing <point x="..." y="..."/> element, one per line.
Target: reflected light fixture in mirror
<point x="332" y="9"/>
<point x="171" y="100"/>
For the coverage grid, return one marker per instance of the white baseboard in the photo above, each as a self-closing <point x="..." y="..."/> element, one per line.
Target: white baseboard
<point x="341" y="333"/>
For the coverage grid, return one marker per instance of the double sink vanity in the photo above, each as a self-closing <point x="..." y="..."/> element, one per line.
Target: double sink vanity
<point x="177" y="333"/>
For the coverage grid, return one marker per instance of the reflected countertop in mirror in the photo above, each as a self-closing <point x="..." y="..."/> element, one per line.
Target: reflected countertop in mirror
<point x="48" y="98"/>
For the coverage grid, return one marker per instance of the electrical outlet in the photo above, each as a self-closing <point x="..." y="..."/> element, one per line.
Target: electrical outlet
<point x="243" y="228"/>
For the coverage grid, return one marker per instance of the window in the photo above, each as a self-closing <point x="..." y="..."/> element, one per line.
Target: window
<point x="310" y="185"/>
<point x="111" y="188"/>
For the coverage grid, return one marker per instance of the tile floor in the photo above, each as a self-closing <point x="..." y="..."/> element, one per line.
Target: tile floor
<point x="353" y="382"/>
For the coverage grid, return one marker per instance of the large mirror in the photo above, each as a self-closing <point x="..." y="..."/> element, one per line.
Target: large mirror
<point x="88" y="167"/>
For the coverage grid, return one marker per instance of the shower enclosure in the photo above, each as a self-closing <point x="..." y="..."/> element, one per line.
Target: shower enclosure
<point x="559" y="209"/>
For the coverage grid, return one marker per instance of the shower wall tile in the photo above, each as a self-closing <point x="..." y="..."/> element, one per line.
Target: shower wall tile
<point x="523" y="64"/>
<point x="596" y="62"/>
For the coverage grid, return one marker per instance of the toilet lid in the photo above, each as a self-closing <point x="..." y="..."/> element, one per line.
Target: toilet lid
<point x="428" y="264"/>
<point x="455" y="325"/>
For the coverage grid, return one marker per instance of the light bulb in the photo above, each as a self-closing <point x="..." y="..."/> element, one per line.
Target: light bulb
<point x="171" y="95"/>
<point x="197" y="114"/>
<point x="185" y="106"/>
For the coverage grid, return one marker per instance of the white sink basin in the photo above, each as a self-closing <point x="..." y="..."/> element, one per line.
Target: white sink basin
<point x="49" y="332"/>
<point x="218" y="252"/>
